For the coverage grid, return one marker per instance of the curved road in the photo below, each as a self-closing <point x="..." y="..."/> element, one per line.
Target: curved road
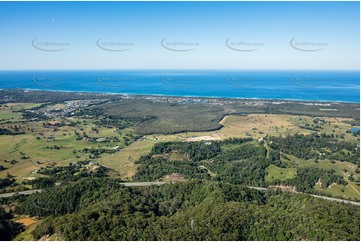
<point x="143" y="184"/>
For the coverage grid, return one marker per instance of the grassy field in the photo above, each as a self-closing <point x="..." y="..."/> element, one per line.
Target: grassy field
<point x="349" y="191"/>
<point x="260" y="125"/>
<point x="123" y="161"/>
<point x="281" y="174"/>
<point x="346" y="192"/>
<point x="36" y="146"/>
<point x="344" y="169"/>
<point x="19" y="106"/>
<point x="338" y="166"/>
<point x="8" y="111"/>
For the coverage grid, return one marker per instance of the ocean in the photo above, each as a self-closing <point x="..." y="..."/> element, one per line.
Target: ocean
<point x="335" y="86"/>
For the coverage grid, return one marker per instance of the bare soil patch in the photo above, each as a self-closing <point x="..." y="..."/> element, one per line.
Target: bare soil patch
<point x="174" y="177"/>
<point x="27" y="221"/>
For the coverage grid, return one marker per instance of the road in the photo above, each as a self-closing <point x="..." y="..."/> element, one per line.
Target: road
<point x="28" y="192"/>
<point x="127" y="184"/>
<point x="337" y="200"/>
<point x="144" y="184"/>
<point x="141" y="184"/>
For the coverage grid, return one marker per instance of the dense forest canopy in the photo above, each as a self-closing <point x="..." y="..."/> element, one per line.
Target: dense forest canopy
<point x="102" y="209"/>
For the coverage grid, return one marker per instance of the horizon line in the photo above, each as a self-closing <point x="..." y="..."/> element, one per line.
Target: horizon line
<point x="181" y="69"/>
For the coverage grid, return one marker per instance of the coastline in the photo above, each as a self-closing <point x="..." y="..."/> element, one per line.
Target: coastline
<point x="188" y="96"/>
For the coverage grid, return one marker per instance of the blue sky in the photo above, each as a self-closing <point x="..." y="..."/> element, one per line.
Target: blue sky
<point x="261" y="35"/>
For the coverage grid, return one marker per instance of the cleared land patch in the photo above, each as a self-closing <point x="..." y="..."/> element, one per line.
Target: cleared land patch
<point x="27" y="221"/>
<point x="275" y="173"/>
